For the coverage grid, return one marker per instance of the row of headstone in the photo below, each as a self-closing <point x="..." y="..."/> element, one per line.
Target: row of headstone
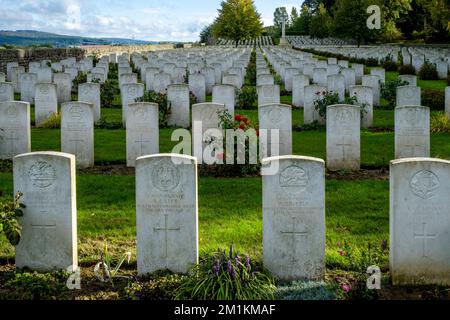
<point x="293" y="216"/>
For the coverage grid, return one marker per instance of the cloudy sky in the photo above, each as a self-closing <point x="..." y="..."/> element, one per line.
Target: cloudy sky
<point x="176" y="20"/>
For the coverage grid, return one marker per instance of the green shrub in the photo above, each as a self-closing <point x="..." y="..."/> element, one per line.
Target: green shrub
<point x="389" y="64"/>
<point x="102" y="123"/>
<point x="328" y="98"/>
<point x="433" y="99"/>
<point x="35" y="286"/>
<point x="53" y="122"/>
<point x="163" y="104"/>
<point x="389" y="91"/>
<point x="10" y="211"/>
<point x="246" y="98"/>
<point x="108" y="90"/>
<point x="428" y="72"/>
<point x="223" y="276"/>
<point x="250" y="76"/>
<point x="113" y="73"/>
<point x="81" y="78"/>
<point x="406" y="69"/>
<point x="440" y="122"/>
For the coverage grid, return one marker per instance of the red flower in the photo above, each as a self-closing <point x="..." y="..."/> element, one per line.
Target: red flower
<point x="242" y="126"/>
<point x="238" y="117"/>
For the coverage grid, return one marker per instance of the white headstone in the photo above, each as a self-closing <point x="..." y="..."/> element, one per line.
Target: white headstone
<point x="178" y="97"/>
<point x="299" y="82"/>
<point x="142" y="133"/>
<point x="166" y="213"/>
<point x="63" y="87"/>
<point x="279" y="117"/>
<point x="46" y="102"/>
<point x="160" y="82"/>
<point x="49" y="224"/>
<point x="90" y="93"/>
<point x="6" y="91"/>
<point x="197" y="85"/>
<point x="268" y="94"/>
<point x="408" y="96"/>
<point x="294" y="218"/>
<point x="27" y="82"/>
<point x="412" y="132"/>
<point x="343" y="137"/>
<point x="336" y="84"/>
<point x="364" y="97"/>
<point x="225" y="94"/>
<point x="373" y="82"/>
<point x="312" y="94"/>
<point x="419" y="222"/>
<point x="77" y="132"/>
<point x="129" y="93"/>
<point x="14" y="129"/>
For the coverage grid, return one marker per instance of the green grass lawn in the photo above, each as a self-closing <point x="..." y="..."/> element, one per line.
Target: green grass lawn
<point x="423" y="84"/>
<point x="357" y="212"/>
<point x="377" y="148"/>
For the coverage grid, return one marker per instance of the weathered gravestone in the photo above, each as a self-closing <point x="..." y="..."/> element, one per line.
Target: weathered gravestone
<point x="166" y="213"/>
<point x="2" y="77"/>
<point x="179" y="100"/>
<point x="129" y="93"/>
<point x="336" y="84"/>
<point x="268" y="94"/>
<point x="63" y="87"/>
<point x="364" y="98"/>
<point x="206" y="115"/>
<point x="142" y="133"/>
<point x="419" y="222"/>
<point x="373" y="82"/>
<point x="225" y="94"/>
<point x="294" y="218"/>
<point x="264" y="79"/>
<point x="27" y="83"/>
<point x="408" y="96"/>
<point x="343" y="137"/>
<point x="275" y="117"/>
<point x="197" y="85"/>
<point x="90" y="93"/>
<point x="412" y="132"/>
<point x="6" y="91"/>
<point x="45" y="102"/>
<point x="14" y="129"/>
<point x="299" y="82"/>
<point x="77" y="132"/>
<point x="161" y="81"/>
<point x="312" y="94"/>
<point x="49" y="224"/>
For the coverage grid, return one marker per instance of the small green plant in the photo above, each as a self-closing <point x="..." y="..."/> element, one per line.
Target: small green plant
<point x="35" y="286"/>
<point x="107" y="92"/>
<point x="53" y="122"/>
<point x="389" y="64"/>
<point x="223" y="276"/>
<point x="246" y="98"/>
<point x="102" y="123"/>
<point x="104" y="270"/>
<point x="163" y="104"/>
<point x="389" y="91"/>
<point x="428" y="72"/>
<point x="250" y="76"/>
<point x="325" y="99"/>
<point x="80" y="78"/>
<point x="10" y="211"/>
<point x="433" y="99"/>
<point x="406" y="69"/>
<point x="440" y="122"/>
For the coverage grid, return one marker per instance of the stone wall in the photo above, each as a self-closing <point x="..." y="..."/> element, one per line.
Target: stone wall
<point x="106" y="50"/>
<point x="25" y="56"/>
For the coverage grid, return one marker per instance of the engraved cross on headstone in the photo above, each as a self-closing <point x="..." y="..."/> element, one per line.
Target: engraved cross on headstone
<point x="344" y="145"/>
<point x="166" y="230"/>
<point x="141" y="142"/>
<point x="424" y="237"/>
<point x="292" y="233"/>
